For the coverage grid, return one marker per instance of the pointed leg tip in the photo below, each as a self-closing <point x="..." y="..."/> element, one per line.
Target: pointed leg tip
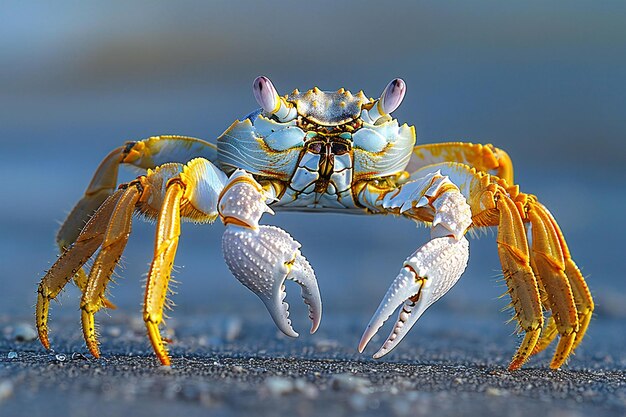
<point x="43" y="337"/>
<point x="94" y="350"/>
<point x="165" y="360"/>
<point x="44" y="342"/>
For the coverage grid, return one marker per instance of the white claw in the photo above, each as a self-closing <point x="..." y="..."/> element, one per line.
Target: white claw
<point x="262" y="260"/>
<point x="427" y="275"/>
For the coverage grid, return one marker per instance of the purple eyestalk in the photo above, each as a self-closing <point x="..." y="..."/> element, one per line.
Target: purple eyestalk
<point x="265" y="94"/>
<point x="392" y="96"/>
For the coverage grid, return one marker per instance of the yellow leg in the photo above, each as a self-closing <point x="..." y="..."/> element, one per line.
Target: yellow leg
<point x="548" y="334"/>
<point x="485" y="158"/>
<point x="580" y="290"/>
<point x="113" y="245"/>
<point x="550" y="268"/>
<point x="70" y="261"/>
<point x="145" y="154"/>
<point x="523" y="289"/>
<point x="101" y="186"/>
<point x="166" y="242"/>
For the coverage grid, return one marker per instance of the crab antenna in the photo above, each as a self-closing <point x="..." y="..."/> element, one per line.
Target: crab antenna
<point x="266" y="95"/>
<point x="389" y="100"/>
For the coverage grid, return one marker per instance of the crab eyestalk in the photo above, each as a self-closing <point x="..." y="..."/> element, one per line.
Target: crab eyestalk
<point x="266" y="95"/>
<point x="390" y="99"/>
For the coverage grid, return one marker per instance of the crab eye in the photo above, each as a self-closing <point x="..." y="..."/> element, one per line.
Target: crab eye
<point x="266" y="95"/>
<point x="392" y="96"/>
<point x="389" y="101"/>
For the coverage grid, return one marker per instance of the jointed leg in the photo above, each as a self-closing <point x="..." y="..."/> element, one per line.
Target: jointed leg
<point x="193" y="194"/>
<point x="168" y="232"/>
<point x="145" y="154"/>
<point x="115" y="240"/>
<point x="523" y="289"/>
<point x="71" y="261"/>
<point x="485" y="158"/>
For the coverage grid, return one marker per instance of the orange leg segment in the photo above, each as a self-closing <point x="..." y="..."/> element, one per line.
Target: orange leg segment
<point x="71" y="261"/>
<point x="515" y="260"/>
<point x="166" y="243"/>
<point x="484" y="158"/>
<point x="113" y="245"/>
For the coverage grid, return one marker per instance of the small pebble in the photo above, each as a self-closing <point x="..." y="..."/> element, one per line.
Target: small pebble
<point x="350" y="382"/>
<point x="305" y="388"/>
<point x="24" y="332"/>
<point x="114" y="331"/>
<point x="233" y="329"/>
<point x="12" y="355"/>
<point x="78" y="355"/>
<point x="6" y="389"/>
<point x="278" y="386"/>
<point x="496" y="392"/>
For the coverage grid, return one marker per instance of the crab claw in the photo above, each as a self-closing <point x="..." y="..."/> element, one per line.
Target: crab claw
<point x="425" y="277"/>
<point x="262" y="259"/>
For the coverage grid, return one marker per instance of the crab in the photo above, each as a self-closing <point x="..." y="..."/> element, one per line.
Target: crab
<point x="322" y="151"/>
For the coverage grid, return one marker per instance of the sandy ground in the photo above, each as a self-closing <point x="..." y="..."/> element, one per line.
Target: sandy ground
<point x="226" y="366"/>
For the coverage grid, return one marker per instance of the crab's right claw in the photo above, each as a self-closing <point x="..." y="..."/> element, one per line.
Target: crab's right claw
<point x="425" y="277"/>
<point x="262" y="259"/>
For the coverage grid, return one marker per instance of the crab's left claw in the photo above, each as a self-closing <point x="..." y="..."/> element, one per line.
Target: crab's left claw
<point x="263" y="257"/>
<point x="425" y="277"/>
<point x="262" y="260"/>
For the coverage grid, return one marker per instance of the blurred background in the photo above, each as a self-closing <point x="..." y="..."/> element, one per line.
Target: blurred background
<point x="546" y="82"/>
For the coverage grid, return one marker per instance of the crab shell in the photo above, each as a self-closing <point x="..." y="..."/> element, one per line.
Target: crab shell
<point x="269" y="147"/>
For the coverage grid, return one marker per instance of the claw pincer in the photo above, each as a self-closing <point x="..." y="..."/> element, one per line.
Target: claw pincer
<point x="425" y="277"/>
<point x="263" y="257"/>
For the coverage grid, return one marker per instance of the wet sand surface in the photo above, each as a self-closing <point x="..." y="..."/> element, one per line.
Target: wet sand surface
<point x="229" y="366"/>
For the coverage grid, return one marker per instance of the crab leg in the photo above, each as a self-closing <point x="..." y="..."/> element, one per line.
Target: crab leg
<point x="70" y="261"/>
<point x="263" y="257"/>
<point x="523" y="289"/>
<point x="115" y="240"/>
<point x="485" y="158"/>
<point x="166" y="242"/>
<point x="193" y="194"/>
<point x="580" y="290"/>
<point x="542" y="275"/>
<point x="145" y="154"/>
